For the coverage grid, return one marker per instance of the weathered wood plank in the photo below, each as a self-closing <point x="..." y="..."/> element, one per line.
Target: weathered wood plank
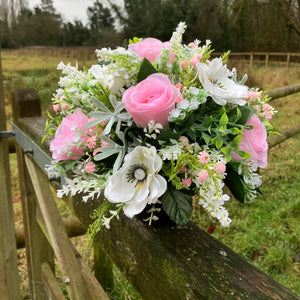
<point x="73" y="227"/>
<point x="164" y="262"/>
<point x="38" y="249"/>
<point x="58" y="236"/>
<point x="284" y="91"/>
<point x="53" y="289"/>
<point x="9" y="283"/>
<point x="278" y="139"/>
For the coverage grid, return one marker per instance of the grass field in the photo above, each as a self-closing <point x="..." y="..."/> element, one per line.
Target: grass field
<point x="266" y="232"/>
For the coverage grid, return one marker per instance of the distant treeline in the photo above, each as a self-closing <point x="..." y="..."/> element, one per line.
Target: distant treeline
<point x="239" y="25"/>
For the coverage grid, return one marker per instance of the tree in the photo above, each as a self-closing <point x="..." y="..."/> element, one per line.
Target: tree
<point x="100" y="22"/>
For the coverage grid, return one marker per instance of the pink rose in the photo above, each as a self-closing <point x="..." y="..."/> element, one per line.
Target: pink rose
<point x="151" y="99"/>
<point x="254" y="141"/>
<point x="150" y="48"/>
<point x="71" y="137"/>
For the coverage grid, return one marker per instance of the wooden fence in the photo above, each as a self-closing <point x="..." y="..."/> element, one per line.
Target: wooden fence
<point x="161" y="262"/>
<point x="266" y="58"/>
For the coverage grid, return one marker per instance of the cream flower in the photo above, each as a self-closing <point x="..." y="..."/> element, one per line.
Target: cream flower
<point x="215" y="81"/>
<point x="137" y="183"/>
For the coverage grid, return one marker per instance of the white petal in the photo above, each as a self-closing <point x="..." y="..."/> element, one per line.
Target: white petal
<point x="158" y="188"/>
<point x="118" y="189"/>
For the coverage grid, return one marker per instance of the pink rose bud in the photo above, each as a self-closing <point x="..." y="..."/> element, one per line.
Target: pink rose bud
<point x="254" y="141"/>
<point x="179" y="85"/>
<point x="151" y="99"/>
<point x="191" y="45"/>
<point x="150" y="49"/>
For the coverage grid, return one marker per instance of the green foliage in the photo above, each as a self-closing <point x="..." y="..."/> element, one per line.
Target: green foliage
<point x="235" y="184"/>
<point x="146" y="69"/>
<point x="97" y="216"/>
<point x="177" y="205"/>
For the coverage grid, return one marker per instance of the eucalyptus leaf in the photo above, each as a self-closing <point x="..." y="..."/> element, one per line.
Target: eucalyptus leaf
<point x="177" y="205"/>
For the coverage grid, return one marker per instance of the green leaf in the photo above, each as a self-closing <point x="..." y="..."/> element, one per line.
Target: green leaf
<point x="234" y="182"/>
<point x="246" y="113"/>
<point x="224" y="120"/>
<point x="206" y="137"/>
<point x="146" y="69"/>
<point x="168" y="134"/>
<point x="226" y="151"/>
<point x="177" y="205"/>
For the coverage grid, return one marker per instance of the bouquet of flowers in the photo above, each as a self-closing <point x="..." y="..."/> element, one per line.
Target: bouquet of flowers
<point x="159" y="124"/>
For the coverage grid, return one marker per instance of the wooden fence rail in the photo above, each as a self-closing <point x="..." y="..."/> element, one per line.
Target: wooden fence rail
<point x="161" y="262"/>
<point x="286" y="58"/>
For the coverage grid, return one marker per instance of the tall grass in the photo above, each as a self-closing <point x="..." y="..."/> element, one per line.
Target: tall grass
<point x="266" y="232"/>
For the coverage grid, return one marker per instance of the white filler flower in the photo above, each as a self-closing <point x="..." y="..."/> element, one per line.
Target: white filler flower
<point x="137" y="183"/>
<point x="215" y="81"/>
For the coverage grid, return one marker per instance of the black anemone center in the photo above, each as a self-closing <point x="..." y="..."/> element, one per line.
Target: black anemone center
<point x="137" y="173"/>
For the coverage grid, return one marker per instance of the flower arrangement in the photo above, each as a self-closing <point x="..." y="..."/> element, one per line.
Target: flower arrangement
<point x="159" y="123"/>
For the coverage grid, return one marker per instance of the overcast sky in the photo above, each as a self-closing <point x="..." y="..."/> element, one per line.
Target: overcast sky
<point x="69" y="9"/>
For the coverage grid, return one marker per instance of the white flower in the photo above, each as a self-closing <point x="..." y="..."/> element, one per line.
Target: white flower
<point x="137" y="183"/>
<point x="215" y="81"/>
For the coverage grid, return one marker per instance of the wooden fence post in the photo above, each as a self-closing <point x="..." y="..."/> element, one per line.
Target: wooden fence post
<point x="9" y="283"/>
<point x="251" y="59"/>
<point x="288" y="60"/>
<point x="26" y="103"/>
<point x="267" y="59"/>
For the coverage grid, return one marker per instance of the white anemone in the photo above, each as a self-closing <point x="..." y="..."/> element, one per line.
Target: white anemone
<point x="215" y="81"/>
<point x="137" y="183"/>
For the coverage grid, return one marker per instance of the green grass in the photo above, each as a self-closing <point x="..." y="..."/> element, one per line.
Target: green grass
<point x="265" y="232"/>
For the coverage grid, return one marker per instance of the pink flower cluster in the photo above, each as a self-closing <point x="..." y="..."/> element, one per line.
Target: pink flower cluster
<point x="71" y="137"/>
<point x="150" y="48"/>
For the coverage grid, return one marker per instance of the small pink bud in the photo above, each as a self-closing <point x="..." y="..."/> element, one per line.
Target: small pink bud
<point x="204" y="157"/>
<point x="65" y="106"/>
<point x="179" y="99"/>
<point x="187" y="182"/>
<point x="266" y="107"/>
<point x="183" y="64"/>
<point x="97" y="150"/>
<point x="268" y="116"/>
<point x="194" y="61"/>
<point x="179" y="85"/>
<point x="220" y="168"/>
<point x="191" y="45"/>
<point x="56" y="107"/>
<point x="181" y="170"/>
<point x="198" y="56"/>
<point x="203" y="176"/>
<point x="90" y="167"/>
<point x="91" y="142"/>
<point x="184" y="140"/>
